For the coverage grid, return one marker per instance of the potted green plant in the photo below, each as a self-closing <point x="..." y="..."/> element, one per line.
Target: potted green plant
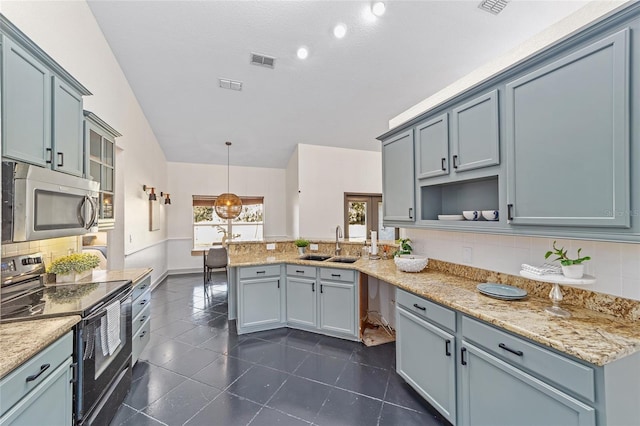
<point x="71" y="268"/>
<point x="403" y="247"/>
<point x="571" y="268"/>
<point x="301" y="244"/>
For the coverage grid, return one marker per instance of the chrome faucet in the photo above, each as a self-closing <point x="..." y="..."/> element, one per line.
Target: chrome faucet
<point x="338" y="235"/>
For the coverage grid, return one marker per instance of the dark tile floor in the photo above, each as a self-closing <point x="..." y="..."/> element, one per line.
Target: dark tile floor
<point x="196" y="370"/>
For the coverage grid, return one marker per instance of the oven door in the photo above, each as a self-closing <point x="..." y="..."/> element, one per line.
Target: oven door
<point x="97" y="369"/>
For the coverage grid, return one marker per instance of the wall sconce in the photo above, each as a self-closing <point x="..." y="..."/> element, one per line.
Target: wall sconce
<point x="167" y="200"/>
<point x="152" y="194"/>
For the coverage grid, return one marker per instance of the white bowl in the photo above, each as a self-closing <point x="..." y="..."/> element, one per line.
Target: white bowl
<point x="410" y="262"/>
<point x="471" y="214"/>
<point x="491" y="215"/>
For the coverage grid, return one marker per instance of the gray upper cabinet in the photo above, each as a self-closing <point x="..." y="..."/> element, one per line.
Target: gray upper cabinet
<point x="26" y="106"/>
<point x="475" y="133"/>
<point x="42" y="121"/>
<point x="568" y="139"/>
<point x="68" y="140"/>
<point x="398" y="178"/>
<point x="432" y="148"/>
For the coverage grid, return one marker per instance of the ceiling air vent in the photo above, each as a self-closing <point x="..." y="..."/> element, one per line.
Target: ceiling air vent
<point x="263" y="60"/>
<point x="493" y="6"/>
<point x="225" y="83"/>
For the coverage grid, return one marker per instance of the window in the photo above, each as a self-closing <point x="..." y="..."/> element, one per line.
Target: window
<point x="363" y="214"/>
<point x="209" y="228"/>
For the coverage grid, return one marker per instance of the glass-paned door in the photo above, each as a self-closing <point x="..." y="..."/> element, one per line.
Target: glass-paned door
<point x="363" y="214"/>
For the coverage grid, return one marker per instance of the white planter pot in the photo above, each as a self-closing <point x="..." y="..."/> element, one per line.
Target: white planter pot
<point x="72" y="277"/>
<point x="301" y="250"/>
<point x="573" y="271"/>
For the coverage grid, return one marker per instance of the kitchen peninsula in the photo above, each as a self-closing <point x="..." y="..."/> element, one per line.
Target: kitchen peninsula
<point x="600" y="340"/>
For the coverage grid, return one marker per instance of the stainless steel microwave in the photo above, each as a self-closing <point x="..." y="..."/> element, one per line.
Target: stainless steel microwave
<point x="39" y="203"/>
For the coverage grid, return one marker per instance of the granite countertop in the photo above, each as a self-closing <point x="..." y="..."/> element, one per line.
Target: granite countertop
<point x="19" y="341"/>
<point x="116" y="275"/>
<point x="592" y="336"/>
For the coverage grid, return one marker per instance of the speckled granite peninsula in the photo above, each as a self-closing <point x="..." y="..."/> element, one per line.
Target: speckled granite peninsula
<point x="601" y="330"/>
<point x="19" y="341"/>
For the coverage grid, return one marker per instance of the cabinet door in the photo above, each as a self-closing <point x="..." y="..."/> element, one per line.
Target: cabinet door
<point x="568" y="139"/>
<point x="68" y="142"/>
<point x="49" y="403"/>
<point x="398" y="178"/>
<point x="26" y="106"/>
<point x="259" y="302"/>
<point x="475" y="134"/>
<point x="496" y="393"/>
<point x="301" y="302"/>
<point x="432" y="148"/>
<point x="424" y="358"/>
<point x="337" y="307"/>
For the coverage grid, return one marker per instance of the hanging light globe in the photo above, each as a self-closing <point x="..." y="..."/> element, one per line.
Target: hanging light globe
<point x="228" y="205"/>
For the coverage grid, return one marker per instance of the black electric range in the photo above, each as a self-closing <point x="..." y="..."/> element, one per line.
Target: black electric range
<point x="25" y="296"/>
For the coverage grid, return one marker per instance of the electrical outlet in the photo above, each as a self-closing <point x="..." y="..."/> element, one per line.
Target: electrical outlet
<point x="313" y="247"/>
<point x="271" y="246"/>
<point x="467" y="255"/>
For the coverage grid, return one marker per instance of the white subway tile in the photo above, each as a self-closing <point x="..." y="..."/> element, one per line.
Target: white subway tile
<point x="606" y="283"/>
<point x="631" y="288"/>
<point x="630" y="261"/>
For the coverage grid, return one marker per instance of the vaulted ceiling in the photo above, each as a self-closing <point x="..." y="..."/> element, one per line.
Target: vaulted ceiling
<point x="342" y="95"/>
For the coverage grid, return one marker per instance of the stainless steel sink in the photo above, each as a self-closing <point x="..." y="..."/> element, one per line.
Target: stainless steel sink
<point x="317" y="257"/>
<point x="339" y="259"/>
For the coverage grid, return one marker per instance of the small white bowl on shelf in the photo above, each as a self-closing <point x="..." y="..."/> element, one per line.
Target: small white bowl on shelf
<point x="410" y="262"/>
<point x="471" y="214"/>
<point x="491" y="215"/>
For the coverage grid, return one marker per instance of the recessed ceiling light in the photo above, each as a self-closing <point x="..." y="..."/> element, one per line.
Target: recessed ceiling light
<point x="378" y="8"/>
<point x="340" y="30"/>
<point x="303" y="53"/>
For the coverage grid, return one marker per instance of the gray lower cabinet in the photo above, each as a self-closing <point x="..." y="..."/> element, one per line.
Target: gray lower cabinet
<point x="425" y="359"/>
<point x="398" y="178"/>
<point x="40" y="392"/>
<point x="260" y="298"/>
<point x="301" y="302"/>
<point x="568" y="139"/>
<point x="496" y="393"/>
<point x="337" y="307"/>
<point x="141" y="314"/>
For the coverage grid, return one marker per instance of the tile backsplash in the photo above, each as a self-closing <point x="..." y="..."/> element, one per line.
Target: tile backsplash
<point x="616" y="266"/>
<point x="52" y="248"/>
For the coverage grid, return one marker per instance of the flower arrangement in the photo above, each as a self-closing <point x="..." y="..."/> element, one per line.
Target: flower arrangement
<point x="76" y="262"/>
<point x="564" y="258"/>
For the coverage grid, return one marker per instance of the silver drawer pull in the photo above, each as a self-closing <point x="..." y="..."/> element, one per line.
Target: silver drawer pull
<point x="43" y="368"/>
<point x="508" y="349"/>
<point x="422" y="308"/>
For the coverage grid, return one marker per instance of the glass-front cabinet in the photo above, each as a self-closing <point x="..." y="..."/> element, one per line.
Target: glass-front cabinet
<point x="101" y="164"/>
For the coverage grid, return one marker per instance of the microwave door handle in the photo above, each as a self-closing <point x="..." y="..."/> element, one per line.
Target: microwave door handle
<point x="103" y="310"/>
<point x="82" y="212"/>
<point x="94" y="212"/>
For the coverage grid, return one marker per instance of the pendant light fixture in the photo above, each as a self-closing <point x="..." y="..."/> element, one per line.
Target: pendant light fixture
<point x="228" y="205"/>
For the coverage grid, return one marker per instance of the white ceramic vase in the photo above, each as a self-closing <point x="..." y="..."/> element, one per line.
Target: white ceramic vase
<point x="72" y="277"/>
<point x="573" y="271"/>
<point x="301" y="250"/>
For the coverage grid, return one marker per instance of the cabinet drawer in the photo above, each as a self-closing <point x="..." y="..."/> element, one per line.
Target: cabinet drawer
<point x="140" y="303"/>
<point x="140" y="340"/>
<point x="141" y="318"/>
<point x="542" y="362"/>
<point x="140" y="287"/>
<point x="17" y="384"/>
<point x="426" y="309"/>
<point x="259" y="271"/>
<point x="301" y="271"/>
<point x="334" y="274"/>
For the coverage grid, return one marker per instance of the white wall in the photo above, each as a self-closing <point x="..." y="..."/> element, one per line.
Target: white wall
<point x="324" y="175"/>
<point x="188" y="179"/>
<point x="68" y="32"/>
<point x="293" y="199"/>
<point x="616" y="266"/>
